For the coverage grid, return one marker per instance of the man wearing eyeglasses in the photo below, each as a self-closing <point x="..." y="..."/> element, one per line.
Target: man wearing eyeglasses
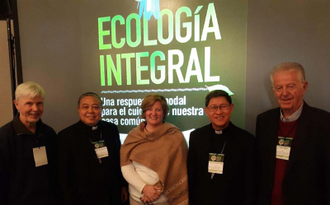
<point x="221" y="158"/>
<point x="293" y="144"/>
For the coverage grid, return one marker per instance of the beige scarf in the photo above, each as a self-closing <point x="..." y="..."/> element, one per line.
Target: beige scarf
<point x="164" y="151"/>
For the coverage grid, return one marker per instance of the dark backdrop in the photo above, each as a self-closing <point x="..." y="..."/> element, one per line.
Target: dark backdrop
<point x="277" y="31"/>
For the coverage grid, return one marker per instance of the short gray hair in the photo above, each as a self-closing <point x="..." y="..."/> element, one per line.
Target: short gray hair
<point x="29" y="89"/>
<point x="289" y="66"/>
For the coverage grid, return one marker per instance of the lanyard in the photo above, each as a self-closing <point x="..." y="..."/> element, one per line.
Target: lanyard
<point x="215" y="141"/>
<point x="100" y="137"/>
<point x="213" y="145"/>
<point x="223" y="147"/>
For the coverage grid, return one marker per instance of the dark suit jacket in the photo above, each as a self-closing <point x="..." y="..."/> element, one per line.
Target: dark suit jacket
<point x="307" y="176"/>
<point x="82" y="178"/>
<point x="236" y="185"/>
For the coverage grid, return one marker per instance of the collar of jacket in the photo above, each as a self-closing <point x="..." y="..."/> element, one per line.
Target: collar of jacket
<point x="21" y="129"/>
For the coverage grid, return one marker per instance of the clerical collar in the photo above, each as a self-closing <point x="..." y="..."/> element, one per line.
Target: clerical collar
<point x="94" y="127"/>
<point x="88" y="127"/>
<point x="218" y="132"/>
<point x="292" y="117"/>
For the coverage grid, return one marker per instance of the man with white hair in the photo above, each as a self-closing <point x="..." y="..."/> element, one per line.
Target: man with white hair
<point x="28" y="152"/>
<point x="293" y="144"/>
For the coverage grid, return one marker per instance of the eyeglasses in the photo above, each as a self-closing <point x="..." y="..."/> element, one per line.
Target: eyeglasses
<point x="223" y="108"/>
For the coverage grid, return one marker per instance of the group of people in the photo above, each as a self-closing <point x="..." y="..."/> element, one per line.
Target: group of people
<point x="287" y="163"/>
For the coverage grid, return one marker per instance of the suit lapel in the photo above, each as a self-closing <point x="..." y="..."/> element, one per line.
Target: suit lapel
<point x="301" y="137"/>
<point x="209" y="132"/>
<point x="273" y="133"/>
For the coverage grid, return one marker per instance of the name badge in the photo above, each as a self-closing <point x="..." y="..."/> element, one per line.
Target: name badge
<point x="40" y="156"/>
<point x="216" y="163"/>
<point x="283" y="148"/>
<point x="101" y="149"/>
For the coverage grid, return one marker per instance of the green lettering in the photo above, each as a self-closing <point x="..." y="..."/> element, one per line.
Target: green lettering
<point x="140" y="68"/>
<point x="113" y="31"/>
<point x="160" y="68"/>
<point x="186" y="25"/>
<point x="146" y="41"/>
<point x="103" y="33"/>
<point x="211" y="16"/>
<point x="111" y="68"/>
<point x="129" y="39"/>
<point x="102" y="75"/>
<point x="170" y="28"/>
<point x="128" y="57"/>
